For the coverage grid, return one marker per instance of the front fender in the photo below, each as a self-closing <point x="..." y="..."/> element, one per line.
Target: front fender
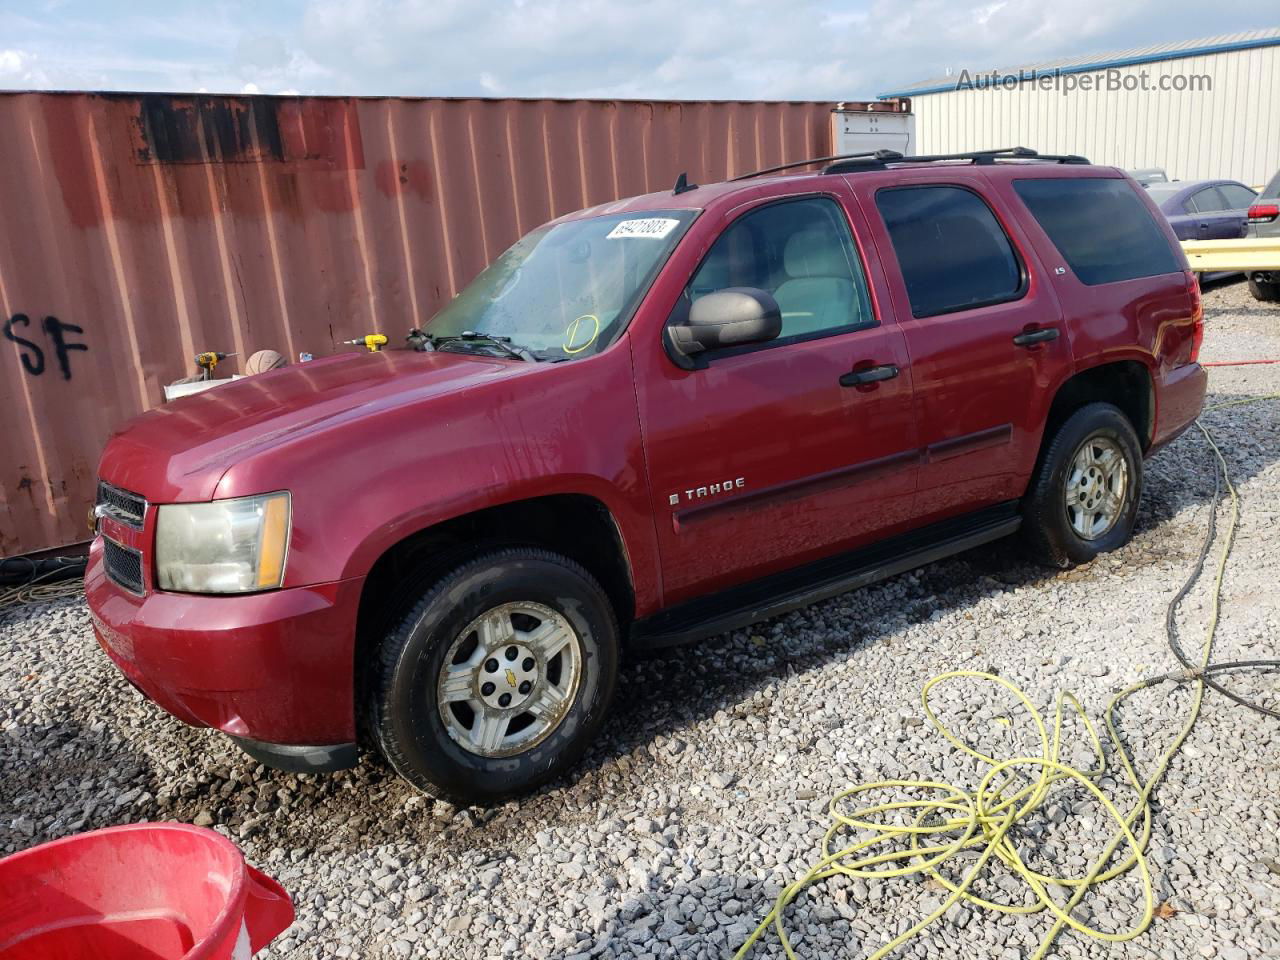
<point x="378" y="540"/>
<point x="366" y="483"/>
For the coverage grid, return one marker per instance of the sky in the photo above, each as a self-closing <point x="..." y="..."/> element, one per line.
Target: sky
<point x="672" y="49"/>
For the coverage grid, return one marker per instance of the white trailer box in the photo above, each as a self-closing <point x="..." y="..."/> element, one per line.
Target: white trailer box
<point x="878" y="125"/>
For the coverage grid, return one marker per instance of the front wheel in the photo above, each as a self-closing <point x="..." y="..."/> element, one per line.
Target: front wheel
<point x="498" y="679"/>
<point x="1083" y="499"/>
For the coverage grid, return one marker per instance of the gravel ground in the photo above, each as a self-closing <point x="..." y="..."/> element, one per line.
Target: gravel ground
<point x="708" y="792"/>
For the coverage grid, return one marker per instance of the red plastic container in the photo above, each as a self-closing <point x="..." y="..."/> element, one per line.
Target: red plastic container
<point x="148" y="891"/>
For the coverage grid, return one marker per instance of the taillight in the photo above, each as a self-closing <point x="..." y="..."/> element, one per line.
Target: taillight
<point x="1197" y="315"/>
<point x="1263" y="212"/>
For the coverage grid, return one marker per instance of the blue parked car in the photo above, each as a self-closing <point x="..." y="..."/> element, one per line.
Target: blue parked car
<point x="1204" y="210"/>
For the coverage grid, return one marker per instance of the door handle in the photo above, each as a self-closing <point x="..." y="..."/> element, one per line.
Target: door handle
<point x="860" y="378"/>
<point x="1030" y="338"/>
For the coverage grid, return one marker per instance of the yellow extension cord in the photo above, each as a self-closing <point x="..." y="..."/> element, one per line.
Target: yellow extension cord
<point x="983" y="817"/>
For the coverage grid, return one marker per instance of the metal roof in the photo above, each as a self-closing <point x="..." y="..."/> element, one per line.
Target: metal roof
<point x="1246" y="40"/>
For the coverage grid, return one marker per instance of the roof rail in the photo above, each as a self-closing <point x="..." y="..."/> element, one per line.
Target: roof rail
<point x="886" y="154"/>
<point x="880" y="160"/>
<point x="978" y="157"/>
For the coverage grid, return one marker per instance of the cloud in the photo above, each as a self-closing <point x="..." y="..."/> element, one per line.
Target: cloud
<point x="726" y="49"/>
<point x="13" y="61"/>
<point x="263" y="51"/>
<point x="18" y="68"/>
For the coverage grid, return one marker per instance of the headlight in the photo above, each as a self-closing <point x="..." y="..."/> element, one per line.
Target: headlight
<point x="228" y="546"/>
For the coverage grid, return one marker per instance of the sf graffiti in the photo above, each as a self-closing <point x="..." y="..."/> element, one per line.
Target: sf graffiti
<point x="56" y="334"/>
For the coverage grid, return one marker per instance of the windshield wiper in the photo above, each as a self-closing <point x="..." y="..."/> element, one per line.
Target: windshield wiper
<point x="502" y="344"/>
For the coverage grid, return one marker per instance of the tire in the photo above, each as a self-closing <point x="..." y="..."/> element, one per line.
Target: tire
<point x="1051" y="527"/>
<point x="1264" y="290"/>
<point x="420" y="722"/>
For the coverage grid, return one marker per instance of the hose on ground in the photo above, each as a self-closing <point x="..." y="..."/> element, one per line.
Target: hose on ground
<point x="59" y="581"/>
<point x="1206" y="671"/>
<point x="934" y="822"/>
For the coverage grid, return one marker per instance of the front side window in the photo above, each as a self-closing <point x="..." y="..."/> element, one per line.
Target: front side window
<point x="800" y="251"/>
<point x="953" y="252"/>
<point x="564" y="291"/>
<point x="1100" y="226"/>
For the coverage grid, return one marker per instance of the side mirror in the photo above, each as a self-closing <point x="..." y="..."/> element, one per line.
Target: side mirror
<point x="726" y="318"/>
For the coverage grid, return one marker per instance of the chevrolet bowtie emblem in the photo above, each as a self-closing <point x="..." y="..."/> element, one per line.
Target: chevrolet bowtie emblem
<point x="511" y="678"/>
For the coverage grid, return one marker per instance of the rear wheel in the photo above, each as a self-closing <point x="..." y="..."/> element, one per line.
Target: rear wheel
<point x="1083" y="499"/>
<point x="1265" y="290"/>
<point x="498" y="679"/>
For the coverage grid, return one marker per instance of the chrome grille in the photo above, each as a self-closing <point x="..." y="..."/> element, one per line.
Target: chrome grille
<point x="123" y="565"/>
<point x="128" y="508"/>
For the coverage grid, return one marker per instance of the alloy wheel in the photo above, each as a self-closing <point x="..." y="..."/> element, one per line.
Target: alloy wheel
<point x="509" y="678"/>
<point x="1096" y="487"/>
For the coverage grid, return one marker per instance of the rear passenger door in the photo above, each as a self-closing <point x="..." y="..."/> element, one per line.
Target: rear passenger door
<point x="983" y="331"/>
<point x="1212" y="216"/>
<point x="1238" y="199"/>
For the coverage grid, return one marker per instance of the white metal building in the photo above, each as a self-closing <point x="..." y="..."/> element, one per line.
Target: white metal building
<point x="1199" y="109"/>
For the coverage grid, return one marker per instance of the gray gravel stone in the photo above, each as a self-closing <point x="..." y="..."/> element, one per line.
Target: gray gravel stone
<point x="707" y="793"/>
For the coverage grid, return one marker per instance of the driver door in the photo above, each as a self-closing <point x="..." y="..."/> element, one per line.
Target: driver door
<point x="770" y="456"/>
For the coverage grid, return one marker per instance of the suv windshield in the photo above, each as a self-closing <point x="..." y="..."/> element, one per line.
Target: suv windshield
<point x="563" y="291"/>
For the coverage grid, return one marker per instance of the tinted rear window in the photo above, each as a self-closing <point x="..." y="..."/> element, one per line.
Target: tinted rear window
<point x="1160" y="192"/>
<point x="1237" y="197"/>
<point x="1101" y="228"/>
<point x="953" y="252"/>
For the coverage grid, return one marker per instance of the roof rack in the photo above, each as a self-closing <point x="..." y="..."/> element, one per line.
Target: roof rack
<point x="881" y="159"/>
<point x="978" y="157"/>
<point x="804" y="163"/>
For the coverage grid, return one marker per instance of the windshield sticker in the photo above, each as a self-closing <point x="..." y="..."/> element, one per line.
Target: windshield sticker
<point x="575" y="330"/>
<point x="655" y="227"/>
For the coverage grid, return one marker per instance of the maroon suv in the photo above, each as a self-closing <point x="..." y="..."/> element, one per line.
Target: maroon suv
<point x="646" y="422"/>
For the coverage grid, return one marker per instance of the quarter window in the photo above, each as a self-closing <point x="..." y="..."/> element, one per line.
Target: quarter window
<point x="953" y="253"/>
<point x="800" y="251"/>
<point x="1100" y="226"/>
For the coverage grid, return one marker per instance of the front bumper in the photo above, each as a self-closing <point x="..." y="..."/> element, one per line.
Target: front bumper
<point x="322" y="759"/>
<point x="274" y="667"/>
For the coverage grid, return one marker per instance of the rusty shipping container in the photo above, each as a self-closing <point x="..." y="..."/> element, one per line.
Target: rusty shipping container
<point x="139" y="230"/>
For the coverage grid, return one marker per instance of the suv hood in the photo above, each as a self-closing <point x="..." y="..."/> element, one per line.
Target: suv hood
<point x="180" y="450"/>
